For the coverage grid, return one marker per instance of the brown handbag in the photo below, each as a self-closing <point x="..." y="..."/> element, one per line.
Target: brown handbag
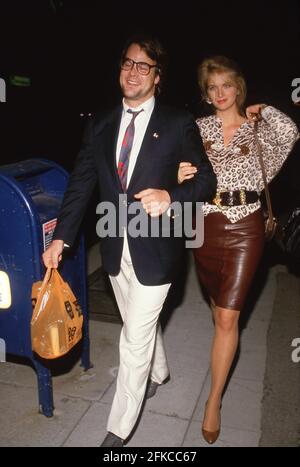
<point x="271" y="222"/>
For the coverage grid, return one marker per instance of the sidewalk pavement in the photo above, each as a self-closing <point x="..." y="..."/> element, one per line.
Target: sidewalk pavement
<point x="170" y="419"/>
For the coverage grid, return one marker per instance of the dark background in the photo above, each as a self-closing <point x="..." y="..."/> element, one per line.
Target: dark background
<point x="71" y="49"/>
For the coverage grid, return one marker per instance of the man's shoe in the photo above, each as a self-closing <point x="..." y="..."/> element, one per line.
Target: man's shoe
<point x="151" y="389"/>
<point x="112" y="441"/>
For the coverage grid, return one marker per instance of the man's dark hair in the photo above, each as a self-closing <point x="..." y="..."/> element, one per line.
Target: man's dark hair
<point x="155" y="51"/>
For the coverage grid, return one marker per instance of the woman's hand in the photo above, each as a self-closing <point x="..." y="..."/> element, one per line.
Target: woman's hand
<point x="185" y="171"/>
<point x="253" y="112"/>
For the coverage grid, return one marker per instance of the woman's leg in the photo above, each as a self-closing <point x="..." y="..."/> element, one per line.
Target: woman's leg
<point x="224" y="347"/>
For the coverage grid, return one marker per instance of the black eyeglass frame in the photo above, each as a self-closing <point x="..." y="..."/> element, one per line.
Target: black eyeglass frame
<point x="133" y="62"/>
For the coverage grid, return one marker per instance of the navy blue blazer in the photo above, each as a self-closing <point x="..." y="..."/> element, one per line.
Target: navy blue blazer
<point x="172" y="136"/>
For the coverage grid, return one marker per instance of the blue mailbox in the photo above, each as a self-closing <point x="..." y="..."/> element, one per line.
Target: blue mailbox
<point x="30" y="196"/>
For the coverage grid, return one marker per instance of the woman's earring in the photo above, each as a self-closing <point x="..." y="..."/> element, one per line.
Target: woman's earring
<point x="208" y="101"/>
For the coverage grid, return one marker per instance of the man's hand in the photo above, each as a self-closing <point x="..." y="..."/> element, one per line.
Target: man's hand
<point x="185" y="172"/>
<point x="53" y="254"/>
<point x="253" y="111"/>
<point x="155" y="202"/>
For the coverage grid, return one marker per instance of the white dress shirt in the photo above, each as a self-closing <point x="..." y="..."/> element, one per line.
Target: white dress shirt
<point x="140" y="124"/>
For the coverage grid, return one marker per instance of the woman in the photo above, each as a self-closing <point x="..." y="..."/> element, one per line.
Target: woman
<point x="234" y="226"/>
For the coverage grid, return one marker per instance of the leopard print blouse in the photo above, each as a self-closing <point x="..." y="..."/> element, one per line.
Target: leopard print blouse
<point x="237" y="164"/>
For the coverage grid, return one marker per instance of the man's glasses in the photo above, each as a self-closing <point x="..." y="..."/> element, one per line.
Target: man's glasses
<point x="142" y="67"/>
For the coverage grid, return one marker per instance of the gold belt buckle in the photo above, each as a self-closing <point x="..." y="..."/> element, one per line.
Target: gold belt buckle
<point x="218" y="200"/>
<point x="243" y="197"/>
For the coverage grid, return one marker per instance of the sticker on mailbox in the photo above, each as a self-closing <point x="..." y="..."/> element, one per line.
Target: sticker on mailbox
<point x="5" y="292"/>
<point x="48" y="229"/>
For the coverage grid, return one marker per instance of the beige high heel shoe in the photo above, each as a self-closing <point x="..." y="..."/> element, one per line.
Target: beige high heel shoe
<point x="211" y="436"/>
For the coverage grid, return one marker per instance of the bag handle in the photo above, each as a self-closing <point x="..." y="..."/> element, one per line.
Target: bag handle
<point x="50" y="272"/>
<point x="58" y="277"/>
<point x="47" y="277"/>
<point x="263" y="170"/>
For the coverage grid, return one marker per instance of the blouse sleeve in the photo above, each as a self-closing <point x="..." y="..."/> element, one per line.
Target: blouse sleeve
<point x="277" y="134"/>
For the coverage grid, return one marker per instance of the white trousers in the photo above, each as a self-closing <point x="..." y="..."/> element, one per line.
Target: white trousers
<point x="141" y="347"/>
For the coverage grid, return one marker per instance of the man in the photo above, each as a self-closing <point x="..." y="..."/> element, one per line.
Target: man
<point x="141" y="268"/>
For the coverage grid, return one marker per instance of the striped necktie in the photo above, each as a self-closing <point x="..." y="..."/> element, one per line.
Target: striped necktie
<point x="126" y="150"/>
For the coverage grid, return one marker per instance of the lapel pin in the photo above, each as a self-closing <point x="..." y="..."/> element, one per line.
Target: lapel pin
<point x="155" y="135"/>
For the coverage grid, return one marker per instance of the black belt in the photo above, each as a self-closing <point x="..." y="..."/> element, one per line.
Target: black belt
<point x="234" y="198"/>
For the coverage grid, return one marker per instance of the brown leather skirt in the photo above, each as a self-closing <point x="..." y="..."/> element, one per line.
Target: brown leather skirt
<point x="227" y="261"/>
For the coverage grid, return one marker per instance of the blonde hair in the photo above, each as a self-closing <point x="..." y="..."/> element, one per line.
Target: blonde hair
<point x="221" y="64"/>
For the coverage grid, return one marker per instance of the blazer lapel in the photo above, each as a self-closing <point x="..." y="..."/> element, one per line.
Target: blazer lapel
<point x="111" y="138"/>
<point x="151" y="138"/>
